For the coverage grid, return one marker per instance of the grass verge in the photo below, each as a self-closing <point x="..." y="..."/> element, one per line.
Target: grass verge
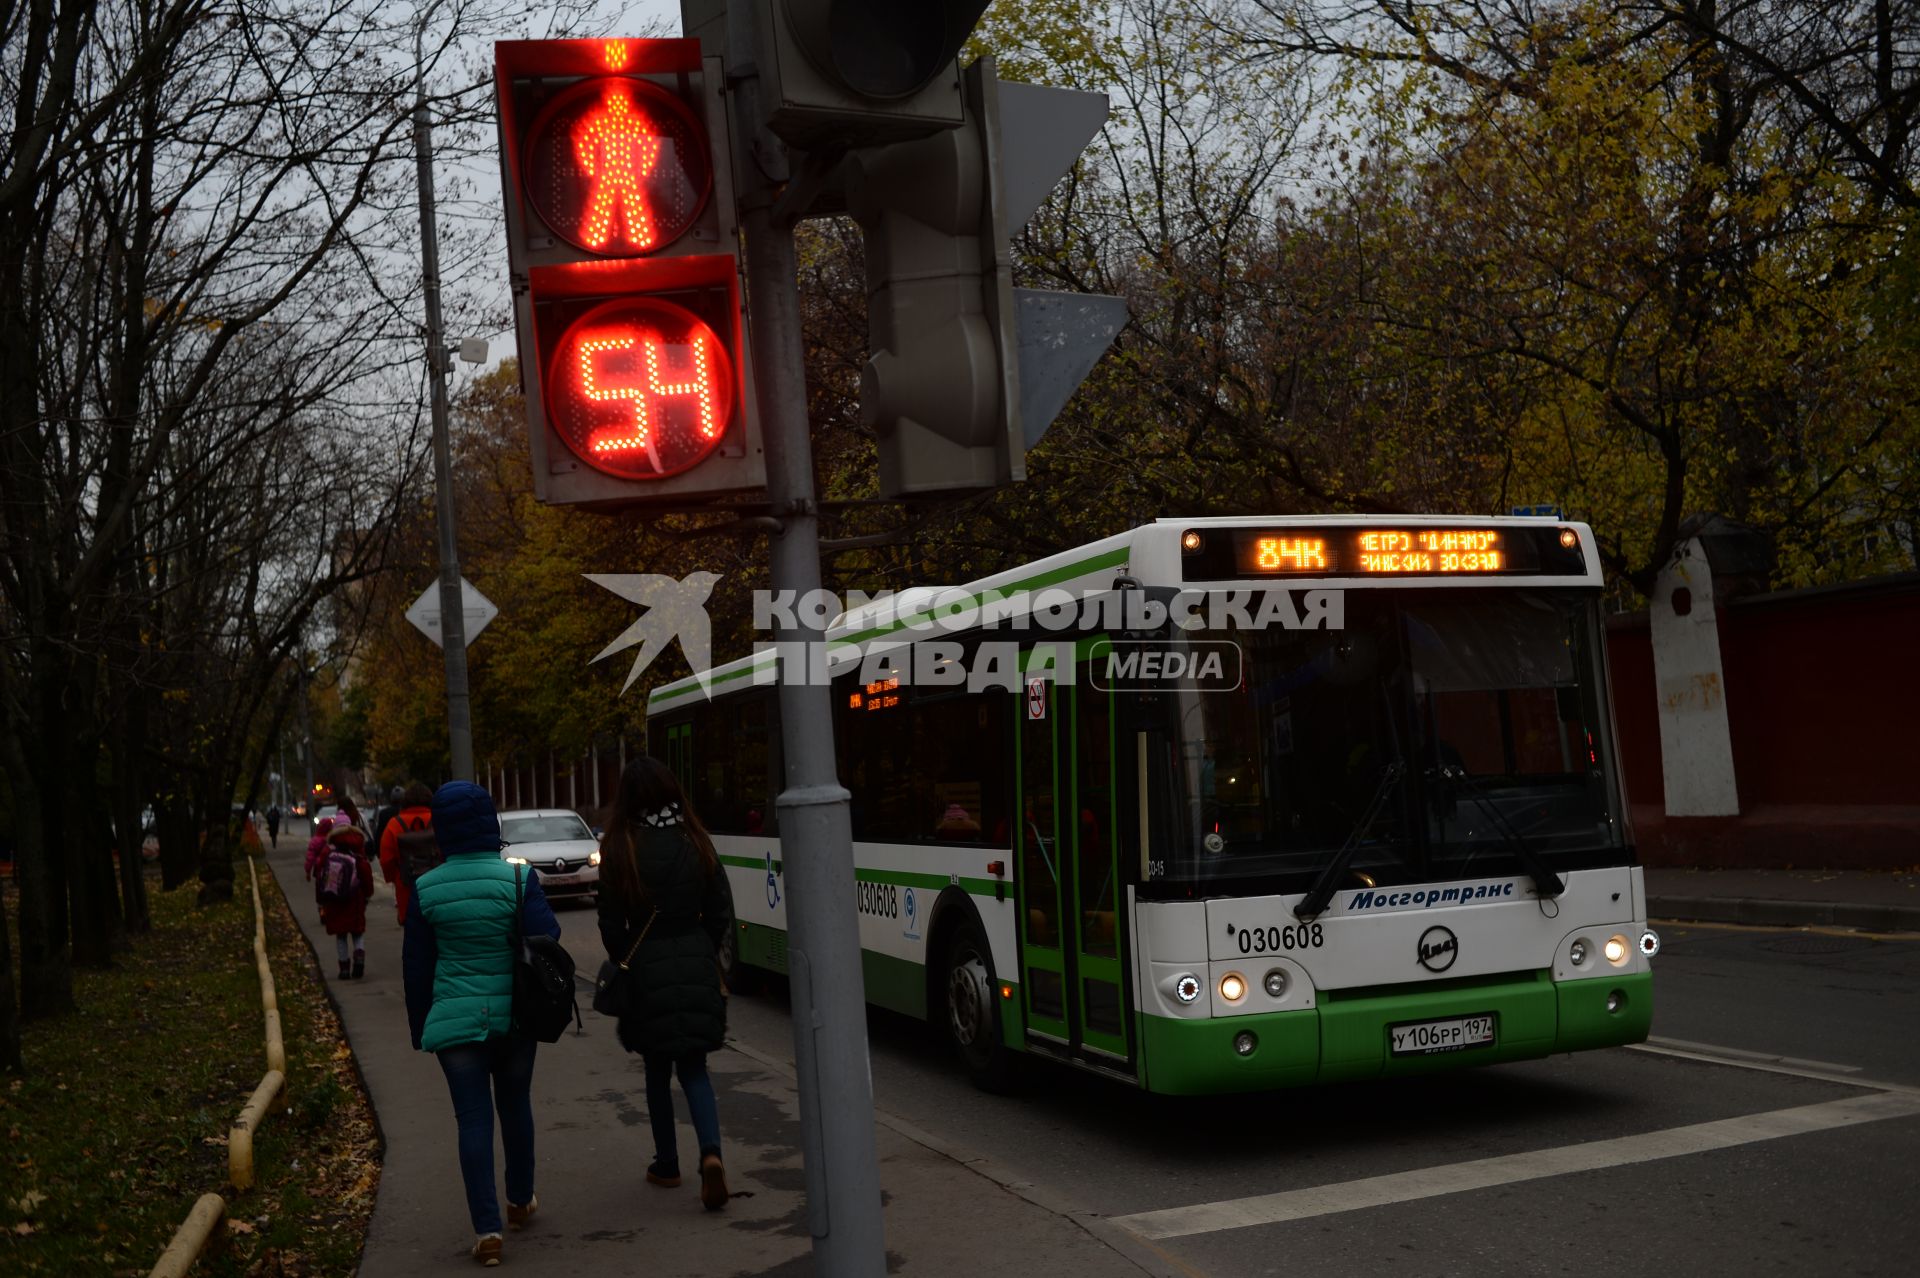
<point x="121" y="1121"/>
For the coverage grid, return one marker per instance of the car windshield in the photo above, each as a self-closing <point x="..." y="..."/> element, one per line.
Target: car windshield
<point x="1434" y="730"/>
<point x="544" y="829"/>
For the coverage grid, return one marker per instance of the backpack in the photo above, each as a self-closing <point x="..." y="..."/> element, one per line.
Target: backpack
<point x="339" y="879"/>
<point x="419" y="850"/>
<point x="544" y="998"/>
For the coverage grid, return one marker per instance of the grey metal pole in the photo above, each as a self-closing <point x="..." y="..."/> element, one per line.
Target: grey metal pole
<point x="816" y="836"/>
<point x="453" y="622"/>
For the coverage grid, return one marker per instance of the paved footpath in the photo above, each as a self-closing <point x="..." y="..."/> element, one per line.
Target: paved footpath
<point x="945" y="1215"/>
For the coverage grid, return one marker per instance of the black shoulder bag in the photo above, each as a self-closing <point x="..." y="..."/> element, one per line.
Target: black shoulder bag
<point x="543" y="994"/>
<point x="611" y="994"/>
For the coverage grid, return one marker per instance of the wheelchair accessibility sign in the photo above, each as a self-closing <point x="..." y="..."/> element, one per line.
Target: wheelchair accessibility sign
<point x="773" y="884"/>
<point x="910" y="911"/>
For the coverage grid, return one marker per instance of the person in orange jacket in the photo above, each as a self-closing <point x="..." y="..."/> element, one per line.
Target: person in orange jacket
<point x="416" y="814"/>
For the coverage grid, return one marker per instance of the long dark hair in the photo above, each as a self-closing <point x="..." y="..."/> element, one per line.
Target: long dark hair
<point x="646" y="787"/>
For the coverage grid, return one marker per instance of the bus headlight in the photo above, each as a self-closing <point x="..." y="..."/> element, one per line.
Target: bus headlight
<point x="1649" y="943"/>
<point x="1577" y="952"/>
<point x="1233" y="987"/>
<point x="1186" y="987"/>
<point x="1616" y="949"/>
<point x="1276" y="983"/>
<point x="1244" y="1042"/>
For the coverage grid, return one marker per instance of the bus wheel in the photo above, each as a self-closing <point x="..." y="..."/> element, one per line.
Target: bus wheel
<point x="972" y="1018"/>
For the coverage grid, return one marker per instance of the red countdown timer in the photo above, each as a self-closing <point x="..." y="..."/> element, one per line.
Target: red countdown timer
<point x="617" y="166"/>
<point x="640" y="388"/>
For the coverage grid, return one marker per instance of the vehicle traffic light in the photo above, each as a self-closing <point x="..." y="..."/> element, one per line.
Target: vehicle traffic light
<point x="623" y="251"/>
<point x="966" y="370"/>
<point x="856" y="72"/>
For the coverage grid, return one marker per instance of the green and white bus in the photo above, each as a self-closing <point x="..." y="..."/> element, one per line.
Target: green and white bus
<point x="1254" y="803"/>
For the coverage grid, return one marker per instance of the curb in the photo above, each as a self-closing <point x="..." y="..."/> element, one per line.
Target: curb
<point x="1760" y="912"/>
<point x="1136" y="1251"/>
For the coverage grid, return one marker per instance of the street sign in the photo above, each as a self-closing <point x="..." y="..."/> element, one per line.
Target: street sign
<point x="476" y="611"/>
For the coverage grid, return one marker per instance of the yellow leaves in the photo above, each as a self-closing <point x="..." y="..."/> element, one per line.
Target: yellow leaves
<point x="23" y="1229"/>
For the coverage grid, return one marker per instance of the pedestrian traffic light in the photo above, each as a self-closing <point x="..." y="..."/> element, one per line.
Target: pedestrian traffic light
<point x="623" y="253"/>
<point x="966" y="370"/>
<point x="839" y="73"/>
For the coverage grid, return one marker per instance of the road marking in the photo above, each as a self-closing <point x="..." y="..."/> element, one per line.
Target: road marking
<point x="1719" y="1056"/>
<point x="1741" y="1054"/>
<point x="1484" y="1173"/>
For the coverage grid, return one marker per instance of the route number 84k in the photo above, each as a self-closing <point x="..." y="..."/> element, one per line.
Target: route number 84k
<point x="1266" y="940"/>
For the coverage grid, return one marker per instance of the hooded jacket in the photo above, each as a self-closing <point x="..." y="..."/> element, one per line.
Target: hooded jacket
<point x="458" y="954"/>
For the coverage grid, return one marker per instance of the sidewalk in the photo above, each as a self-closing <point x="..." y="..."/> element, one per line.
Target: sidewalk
<point x="1870" y="901"/>
<point x="597" y="1216"/>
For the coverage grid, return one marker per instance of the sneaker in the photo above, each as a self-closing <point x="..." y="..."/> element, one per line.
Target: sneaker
<point x="662" y="1176"/>
<point x="359" y="964"/>
<point x="713" y="1183"/>
<point x="518" y="1216"/>
<point x="486" y="1249"/>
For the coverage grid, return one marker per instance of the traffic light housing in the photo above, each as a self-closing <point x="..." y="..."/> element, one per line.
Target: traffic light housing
<point x="623" y="253"/>
<point x="941" y="388"/>
<point x="840" y="73"/>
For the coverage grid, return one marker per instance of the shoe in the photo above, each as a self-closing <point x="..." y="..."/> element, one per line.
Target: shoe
<point x="346" y="969"/>
<point x="359" y="964"/>
<point x="518" y="1216"/>
<point x="660" y="1176"/>
<point x="713" y="1183"/>
<point x="486" y="1249"/>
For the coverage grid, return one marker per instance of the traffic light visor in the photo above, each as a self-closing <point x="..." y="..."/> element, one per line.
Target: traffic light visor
<point x="617" y="166"/>
<point x="883" y="48"/>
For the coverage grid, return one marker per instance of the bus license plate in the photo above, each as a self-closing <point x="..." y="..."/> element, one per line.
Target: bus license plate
<point x="1422" y="1038"/>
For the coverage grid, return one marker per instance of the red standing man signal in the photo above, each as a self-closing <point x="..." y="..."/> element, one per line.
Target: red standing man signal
<point x="617" y="148"/>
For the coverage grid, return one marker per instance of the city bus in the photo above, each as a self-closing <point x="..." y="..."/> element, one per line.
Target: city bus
<point x="1217" y="805"/>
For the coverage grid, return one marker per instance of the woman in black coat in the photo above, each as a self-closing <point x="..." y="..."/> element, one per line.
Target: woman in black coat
<point x="664" y="908"/>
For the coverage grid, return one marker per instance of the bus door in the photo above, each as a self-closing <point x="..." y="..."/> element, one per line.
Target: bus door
<point x="1071" y="899"/>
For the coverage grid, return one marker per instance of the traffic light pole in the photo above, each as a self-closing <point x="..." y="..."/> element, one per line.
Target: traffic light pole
<point x="453" y="620"/>
<point x="816" y="836"/>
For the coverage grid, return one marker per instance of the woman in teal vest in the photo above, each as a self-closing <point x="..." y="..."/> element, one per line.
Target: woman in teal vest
<point x="458" y="960"/>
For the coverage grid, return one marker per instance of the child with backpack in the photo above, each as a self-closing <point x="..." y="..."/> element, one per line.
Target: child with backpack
<point x="343" y="882"/>
<point x="407" y="846"/>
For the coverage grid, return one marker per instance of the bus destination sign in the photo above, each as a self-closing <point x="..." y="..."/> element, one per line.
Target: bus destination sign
<point x="1372" y="551"/>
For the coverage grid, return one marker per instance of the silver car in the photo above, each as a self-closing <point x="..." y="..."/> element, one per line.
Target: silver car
<point x="557" y="843"/>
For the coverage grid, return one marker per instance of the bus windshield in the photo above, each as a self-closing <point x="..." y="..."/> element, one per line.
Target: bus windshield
<point x="1445" y="733"/>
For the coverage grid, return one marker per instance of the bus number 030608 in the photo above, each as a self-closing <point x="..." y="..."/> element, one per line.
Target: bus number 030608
<point x="1265" y="940"/>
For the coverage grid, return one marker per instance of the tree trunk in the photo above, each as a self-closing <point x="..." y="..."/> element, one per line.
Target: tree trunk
<point x="46" y="968"/>
<point x="130" y="834"/>
<point x="10" y="1060"/>
<point x="179" y="850"/>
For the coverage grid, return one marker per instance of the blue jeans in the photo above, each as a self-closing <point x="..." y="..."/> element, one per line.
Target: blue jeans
<point x="484" y="1077"/>
<point x="702" y="1108"/>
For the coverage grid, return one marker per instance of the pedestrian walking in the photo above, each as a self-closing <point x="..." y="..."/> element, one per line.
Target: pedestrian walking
<point x="317" y="845"/>
<point x="665" y="905"/>
<point x="458" y="957"/>
<point x="273" y="825"/>
<point x="343" y="883"/>
<point x="407" y="847"/>
<point x="386" y="813"/>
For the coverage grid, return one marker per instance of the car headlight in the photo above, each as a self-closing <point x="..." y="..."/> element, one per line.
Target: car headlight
<point x="516" y="860"/>
<point x="593" y="857"/>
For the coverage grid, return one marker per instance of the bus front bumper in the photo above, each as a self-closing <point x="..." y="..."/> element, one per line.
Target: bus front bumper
<point x="1346" y="1037"/>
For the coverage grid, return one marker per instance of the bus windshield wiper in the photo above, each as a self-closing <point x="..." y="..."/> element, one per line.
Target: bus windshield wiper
<point x="1323" y="886"/>
<point x="1545" y="881"/>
